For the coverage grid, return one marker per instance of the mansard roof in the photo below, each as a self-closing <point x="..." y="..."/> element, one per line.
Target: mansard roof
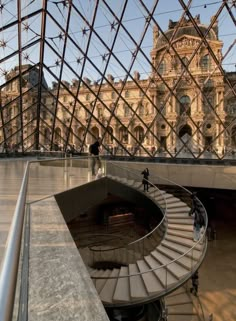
<point x="186" y="27"/>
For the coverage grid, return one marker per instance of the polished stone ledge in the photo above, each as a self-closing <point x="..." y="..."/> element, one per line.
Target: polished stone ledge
<point x="60" y="287"/>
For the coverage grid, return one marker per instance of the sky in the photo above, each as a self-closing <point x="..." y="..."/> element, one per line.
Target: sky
<point x="105" y="26"/>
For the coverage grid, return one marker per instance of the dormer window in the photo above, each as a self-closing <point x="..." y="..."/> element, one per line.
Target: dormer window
<point x="205" y="63"/>
<point x="185" y="104"/>
<point x="127" y="94"/>
<point x="126" y="111"/>
<point x="162" y="68"/>
<point x="184" y="63"/>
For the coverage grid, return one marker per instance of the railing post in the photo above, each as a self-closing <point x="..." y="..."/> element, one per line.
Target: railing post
<point x="166" y="275"/>
<point x="65" y="166"/>
<point x="71" y="160"/>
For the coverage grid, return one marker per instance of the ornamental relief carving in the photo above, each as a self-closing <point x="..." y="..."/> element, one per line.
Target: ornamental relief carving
<point x="186" y="42"/>
<point x="209" y="128"/>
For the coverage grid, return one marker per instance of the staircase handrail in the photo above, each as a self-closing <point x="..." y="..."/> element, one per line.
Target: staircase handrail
<point x="115" y="236"/>
<point x="154" y="269"/>
<point x="10" y="263"/>
<point x="182" y="188"/>
<point x="200" y="241"/>
<point x="162" y="210"/>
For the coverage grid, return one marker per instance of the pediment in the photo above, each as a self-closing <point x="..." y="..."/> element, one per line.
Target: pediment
<point x="186" y="42"/>
<point x="182" y="42"/>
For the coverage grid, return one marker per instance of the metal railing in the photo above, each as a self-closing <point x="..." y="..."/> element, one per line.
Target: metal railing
<point x="194" y="262"/>
<point x="141" y="246"/>
<point x="10" y="265"/>
<point x="69" y="167"/>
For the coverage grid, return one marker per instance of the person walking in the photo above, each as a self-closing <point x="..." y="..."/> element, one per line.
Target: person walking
<point x="195" y="283"/>
<point x="145" y="174"/>
<point x="94" y="150"/>
<point x="99" y="174"/>
<point x="198" y="222"/>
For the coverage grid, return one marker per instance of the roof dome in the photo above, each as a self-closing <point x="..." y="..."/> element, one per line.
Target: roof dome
<point x="186" y="28"/>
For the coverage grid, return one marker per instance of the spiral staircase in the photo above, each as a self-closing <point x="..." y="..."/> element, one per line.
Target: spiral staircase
<point x="153" y="266"/>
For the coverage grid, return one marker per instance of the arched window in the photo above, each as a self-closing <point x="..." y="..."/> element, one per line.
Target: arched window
<point x="141" y="109"/>
<point x="205" y="62"/>
<point x="99" y="111"/>
<point x="185" y="104"/>
<point x="233" y="137"/>
<point x="109" y="135"/>
<point x="208" y="104"/>
<point x="139" y="133"/>
<point x="231" y="106"/>
<point x="58" y="135"/>
<point x="186" y="130"/>
<point x="81" y="133"/>
<point x="127" y="94"/>
<point x="162" y="68"/>
<point x="47" y="135"/>
<point x="95" y="132"/>
<point x="126" y="111"/>
<point x="123" y="135"/>
<point x="112" y="107"/>
<point x="71" y="136"/>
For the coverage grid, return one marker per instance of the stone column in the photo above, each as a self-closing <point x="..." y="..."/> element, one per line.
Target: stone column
<point x="220" y="99"/>
<point x="217" y="141"/>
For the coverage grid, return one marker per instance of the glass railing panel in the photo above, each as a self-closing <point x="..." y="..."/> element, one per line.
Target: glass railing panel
<point x="53" y="176"/>
<point x="178" y="268"/>
<point x="152" y="227"/>
<point x="21" y="294"/>
<point x="49" y="177"/>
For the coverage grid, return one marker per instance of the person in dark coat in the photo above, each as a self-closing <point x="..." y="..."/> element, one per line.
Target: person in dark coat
<point x="145" y="174"/>
<point x="94" y="150"/>
<point x="196" y="212"/>
<point x="195" y="282"/>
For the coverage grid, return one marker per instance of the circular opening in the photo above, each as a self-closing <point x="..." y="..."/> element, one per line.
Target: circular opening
<point x="163" y="126"/>
<point x="208" y="126"/>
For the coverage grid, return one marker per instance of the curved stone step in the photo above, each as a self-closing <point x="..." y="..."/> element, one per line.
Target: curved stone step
<point x="181" y="249"/>
<point x="170" y="200"/>
<point x="174" y="267"/>
<point x="171" y="205"/>
<point x="182" y="241"/>
<point x="186" y="221"/>
<point x="137" y="185"/>
<point x="185" y="234"/>
<point x="180" y="227"/>
<point x="137" y="287"/>
<point x="165" y="277"/>
<point x="160" y="195"/>
<point x="99" y="283"/>
<point x="122" y="290"/>
<point x="178" y="215"/>
<point x="183" y="209"/>
<point x="185" y="261"/>
<point x="152" y="283"/>
<point x="106" y="293"/>
<point x="130" y="182"/>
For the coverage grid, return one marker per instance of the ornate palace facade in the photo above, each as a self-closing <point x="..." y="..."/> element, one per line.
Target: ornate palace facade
<point x="187" y="104"/>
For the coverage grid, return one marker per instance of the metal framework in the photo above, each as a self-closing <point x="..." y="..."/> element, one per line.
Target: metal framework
<point x="50" y="49"/>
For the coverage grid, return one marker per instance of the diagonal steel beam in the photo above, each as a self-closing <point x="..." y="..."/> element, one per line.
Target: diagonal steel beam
<point x="42" y="43"/>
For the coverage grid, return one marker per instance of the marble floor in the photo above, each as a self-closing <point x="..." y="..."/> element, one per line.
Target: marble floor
<point x="217" y="288"/>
